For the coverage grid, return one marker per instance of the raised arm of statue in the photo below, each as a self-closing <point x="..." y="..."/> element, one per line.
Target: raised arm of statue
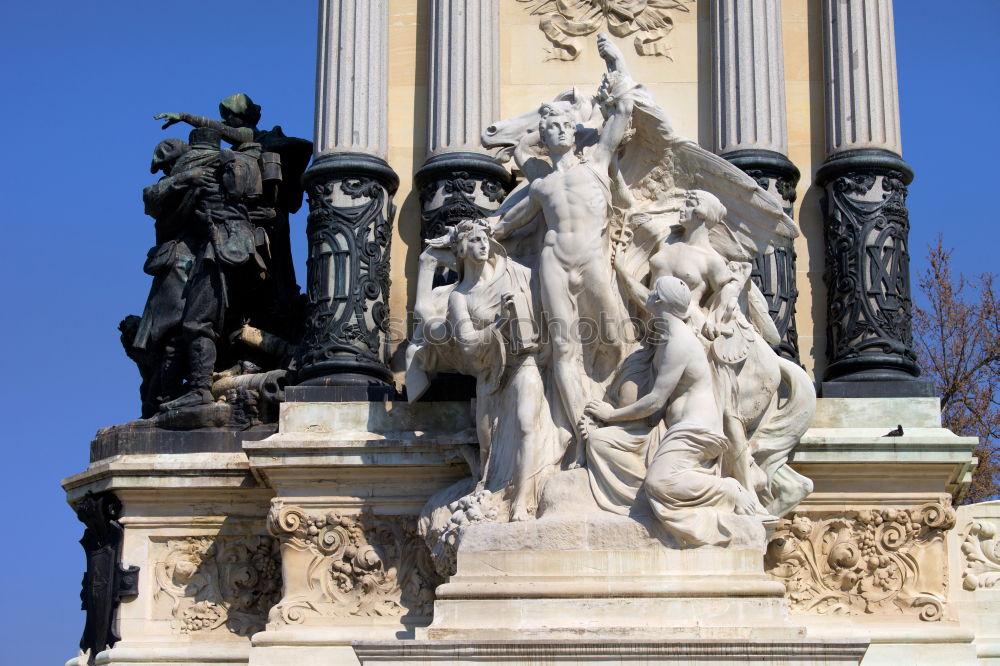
<point x="612" y="55"/>
<point x="427" y="305"/>
<point x="516" y="217"/>
<point x="234" y="135"/>
<point x="615" y="127"/>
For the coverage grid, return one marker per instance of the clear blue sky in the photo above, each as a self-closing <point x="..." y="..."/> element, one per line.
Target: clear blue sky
<point x="81" y="82"/>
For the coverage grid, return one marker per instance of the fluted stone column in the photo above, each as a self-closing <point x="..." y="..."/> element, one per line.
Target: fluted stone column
<point x="869" y="339"/>
<point x="350" y="187"/>
<point x="751" y="132"/>
<point x="459" y="180"/>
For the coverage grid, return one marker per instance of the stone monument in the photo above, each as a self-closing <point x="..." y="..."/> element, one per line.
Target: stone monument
<point x="595" y="437"/>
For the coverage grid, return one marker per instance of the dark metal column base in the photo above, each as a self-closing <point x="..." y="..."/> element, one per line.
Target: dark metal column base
<point x="775" y="273"/>
<point x="869" y="318"/>
<point x="347" y="307"/>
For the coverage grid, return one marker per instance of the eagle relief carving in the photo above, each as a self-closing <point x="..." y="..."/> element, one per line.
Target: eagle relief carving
<point x="566" y="23"/>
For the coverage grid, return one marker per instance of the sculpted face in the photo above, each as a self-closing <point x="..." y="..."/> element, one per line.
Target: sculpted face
<point x="476" y="246"/>
<point x="689" y="217"/>
<point x="559" y="131"/>
<point x="232" y="119"/>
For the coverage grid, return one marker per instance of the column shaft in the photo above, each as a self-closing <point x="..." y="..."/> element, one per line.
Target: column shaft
<point x="751" y="132"/>
<point x="862" y="103"/>
<point x="869" y="338"/>
<point x="460" y="180"/>
<point x="749" y="76"/>
<point x="352" y="77"/>
<point x="464" y="74"/>
<point x="350" y="188"/>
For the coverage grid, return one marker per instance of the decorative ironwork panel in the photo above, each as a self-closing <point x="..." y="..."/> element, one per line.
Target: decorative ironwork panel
<point x="869" y="334"/>
<point x="774" y="272"/>
<point x="347" y="307"/>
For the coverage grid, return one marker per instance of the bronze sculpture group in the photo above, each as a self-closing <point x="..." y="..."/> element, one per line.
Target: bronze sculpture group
<point x="217" y="334"/>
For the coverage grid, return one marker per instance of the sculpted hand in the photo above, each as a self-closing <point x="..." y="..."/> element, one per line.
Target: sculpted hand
<point x="599" y="410"/>
<point x="438" y="254"/>
<point x="610" y="52"/>
<point x="710" y="330"/>
<point x="620" y="262"/>
<point x="200" y="177"/>
<point x="172" y="118"/>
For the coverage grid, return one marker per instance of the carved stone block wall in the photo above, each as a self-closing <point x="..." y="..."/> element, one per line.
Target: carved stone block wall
<point x="867" y="561"/>
<point x="976" y="566"/>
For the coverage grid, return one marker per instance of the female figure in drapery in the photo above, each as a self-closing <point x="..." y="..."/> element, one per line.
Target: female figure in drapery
<point x="730" y="316"/>
<point x="483" y="326"/>
<point x="679" y="469"/>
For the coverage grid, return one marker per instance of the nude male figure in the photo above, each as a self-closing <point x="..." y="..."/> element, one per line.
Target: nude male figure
<point x="575" y="200"/>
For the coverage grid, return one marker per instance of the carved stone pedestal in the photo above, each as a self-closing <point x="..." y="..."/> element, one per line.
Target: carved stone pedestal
<point x="350" y="479"/>
<point x="193" y="523"/>
<point x="866" y="554"/>
<point x="301" y="547"/>
<point x="601" y="588"/>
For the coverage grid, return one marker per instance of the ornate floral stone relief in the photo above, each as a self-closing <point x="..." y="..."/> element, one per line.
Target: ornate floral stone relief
<point x="877" y="561"/>
<point x="981" y="551"/>
<point x="219" y="583"/>
<point x="338" y="566"/>
<point x="566" y="23"/>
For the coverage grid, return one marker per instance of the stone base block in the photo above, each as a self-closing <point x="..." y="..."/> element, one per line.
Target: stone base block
<point x="620" y="653"/>
<point x="896" y="641"/>
<point x="303" y="646"/>
<point x="601" y="576"/>
<point x="134" y="653"/>
<point x="341" y="654"/>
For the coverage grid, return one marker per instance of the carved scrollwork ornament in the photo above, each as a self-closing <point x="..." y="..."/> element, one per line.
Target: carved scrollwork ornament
<point x="981" y="554"/>
<point x="567" y="24"/>
<point x="222" y="582"/>
<point x="350" y="566"/>
<point x="446" y="202"/>
<point x="873" y="561"/>
<point x="458" y="186"/>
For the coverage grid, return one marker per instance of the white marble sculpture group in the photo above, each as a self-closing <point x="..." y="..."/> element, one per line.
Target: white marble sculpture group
<point x="607" y="313"/>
